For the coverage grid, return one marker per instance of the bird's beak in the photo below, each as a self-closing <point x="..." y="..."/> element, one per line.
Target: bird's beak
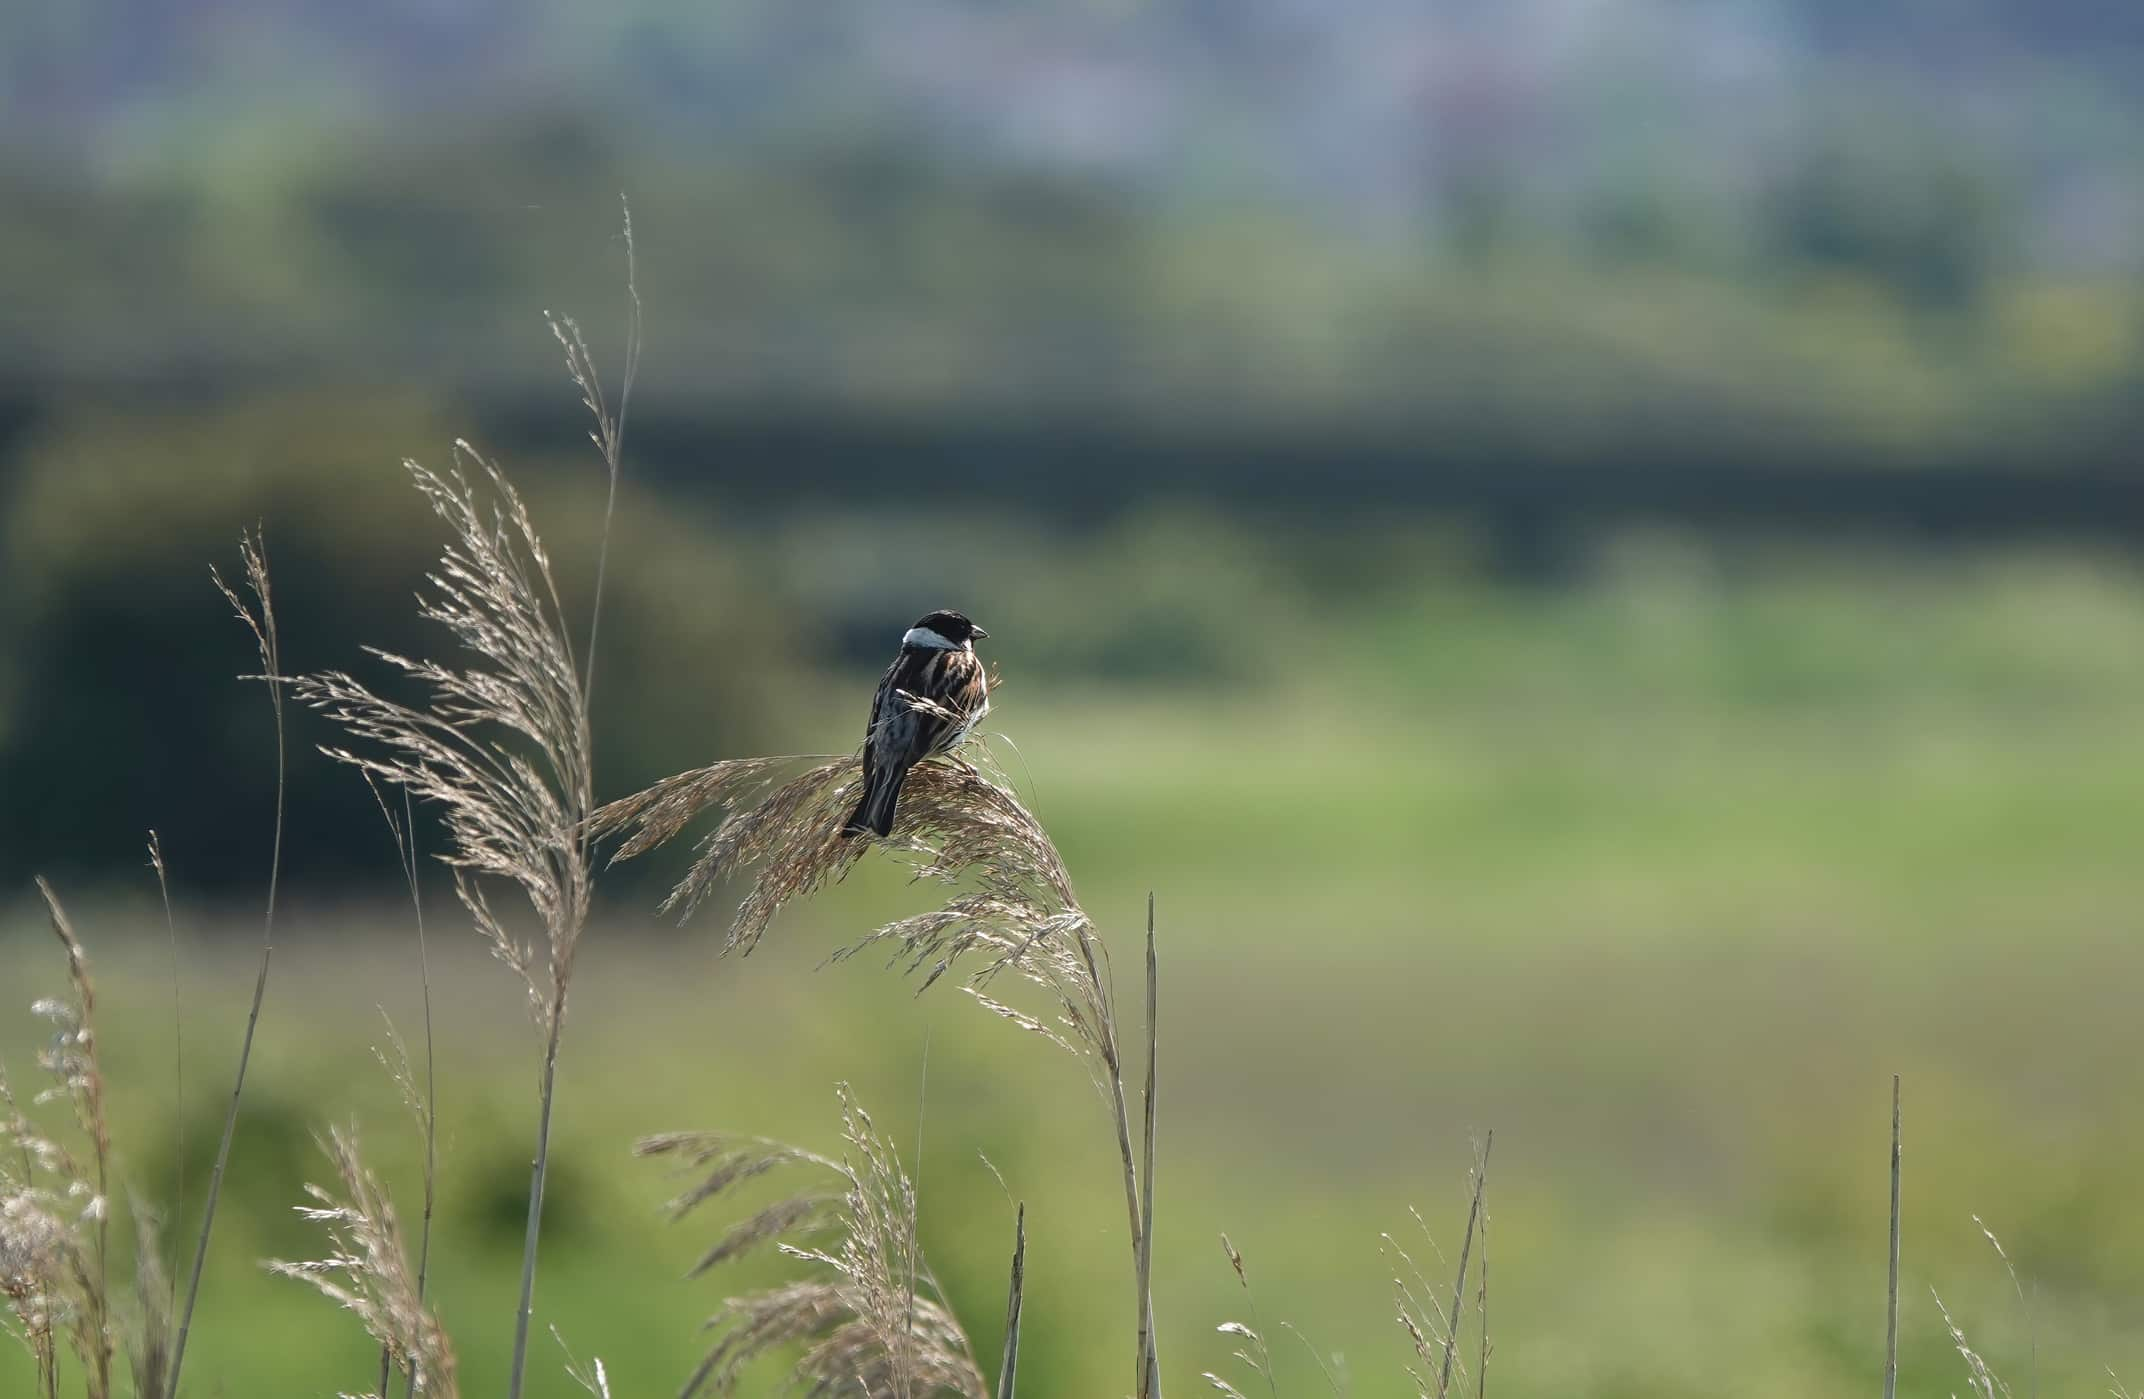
<point x="977" y="632"/>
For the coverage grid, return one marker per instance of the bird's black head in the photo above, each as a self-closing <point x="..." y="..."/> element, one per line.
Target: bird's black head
<point x="956" y="629"/>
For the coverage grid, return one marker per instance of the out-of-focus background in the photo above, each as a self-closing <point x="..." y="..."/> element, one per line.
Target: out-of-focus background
<point x="1584" y="549"/>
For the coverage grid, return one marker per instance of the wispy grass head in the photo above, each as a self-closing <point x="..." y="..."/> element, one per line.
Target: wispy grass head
<point x="871" y="1320"/>
<point x="501" y="746"/>
<point x="367" y="1270"/>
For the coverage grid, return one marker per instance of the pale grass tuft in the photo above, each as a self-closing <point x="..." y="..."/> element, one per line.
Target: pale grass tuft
<point x="55" y="1200"/>
<point x="1433" y="1328"/>
<point x="367" y="1270"/>
<point x="872" y="1321"/>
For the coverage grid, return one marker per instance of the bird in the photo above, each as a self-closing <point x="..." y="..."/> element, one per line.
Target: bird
<point x="931" y="697"/>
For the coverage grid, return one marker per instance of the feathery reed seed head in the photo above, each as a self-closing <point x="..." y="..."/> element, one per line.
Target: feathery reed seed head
<point x="367" y="1269"/>
<point x="872" y="1320"/>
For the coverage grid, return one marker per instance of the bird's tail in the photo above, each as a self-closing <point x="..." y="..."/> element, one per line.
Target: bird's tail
<point x="875" y="812"/>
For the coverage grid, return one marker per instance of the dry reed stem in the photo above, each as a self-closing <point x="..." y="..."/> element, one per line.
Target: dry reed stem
<point x="367" y="1271"/>
<point x="873" y="1320"/>
<point x="259" y="619"/>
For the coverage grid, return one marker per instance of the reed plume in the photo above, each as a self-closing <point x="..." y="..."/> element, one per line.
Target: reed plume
<point x="872" y="1320"/>
<point x="367" y="1271"/>
<point x="1011" y="912"/>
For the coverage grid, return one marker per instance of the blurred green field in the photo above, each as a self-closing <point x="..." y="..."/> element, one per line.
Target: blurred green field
<point x="1661" y="877"/>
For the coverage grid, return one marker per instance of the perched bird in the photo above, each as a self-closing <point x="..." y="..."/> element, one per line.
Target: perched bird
<point x="933" y="694"/>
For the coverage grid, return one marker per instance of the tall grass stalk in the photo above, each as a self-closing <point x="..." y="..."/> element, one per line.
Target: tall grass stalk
<point x="178" y="1059"/>
<point x="425" y="1105"/>
<point x="259" y="619"/>
<point x="1149" y="1358"/>
<point x="502" y="747"/>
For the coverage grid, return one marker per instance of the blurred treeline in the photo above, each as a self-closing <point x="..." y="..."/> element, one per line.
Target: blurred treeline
<point x="1147" y="308"/>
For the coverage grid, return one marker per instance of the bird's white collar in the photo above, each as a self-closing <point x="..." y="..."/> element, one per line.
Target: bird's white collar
<point x="925" y="637"/>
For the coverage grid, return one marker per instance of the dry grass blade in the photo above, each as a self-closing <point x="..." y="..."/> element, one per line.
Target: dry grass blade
<point x="1015" y="1299"/>
<point x="872" y="1320"/>
<point x="367" y="1270"/>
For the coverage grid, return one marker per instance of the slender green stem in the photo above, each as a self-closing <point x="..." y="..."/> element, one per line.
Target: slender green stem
<point x="538" y="1168"/>
<point x="178" y="1050"/>
<point x="271" y="657"/>
<point x="1149" y="1359"/>
<point x="1113" y="1062"/>
<point x="1890" y="1340"/>
<point x="431" y="1080"/>
<point x="1459" y="1287"/>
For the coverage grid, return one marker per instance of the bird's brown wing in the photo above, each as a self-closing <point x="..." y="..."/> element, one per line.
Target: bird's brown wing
<point x="902" y="733"/>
